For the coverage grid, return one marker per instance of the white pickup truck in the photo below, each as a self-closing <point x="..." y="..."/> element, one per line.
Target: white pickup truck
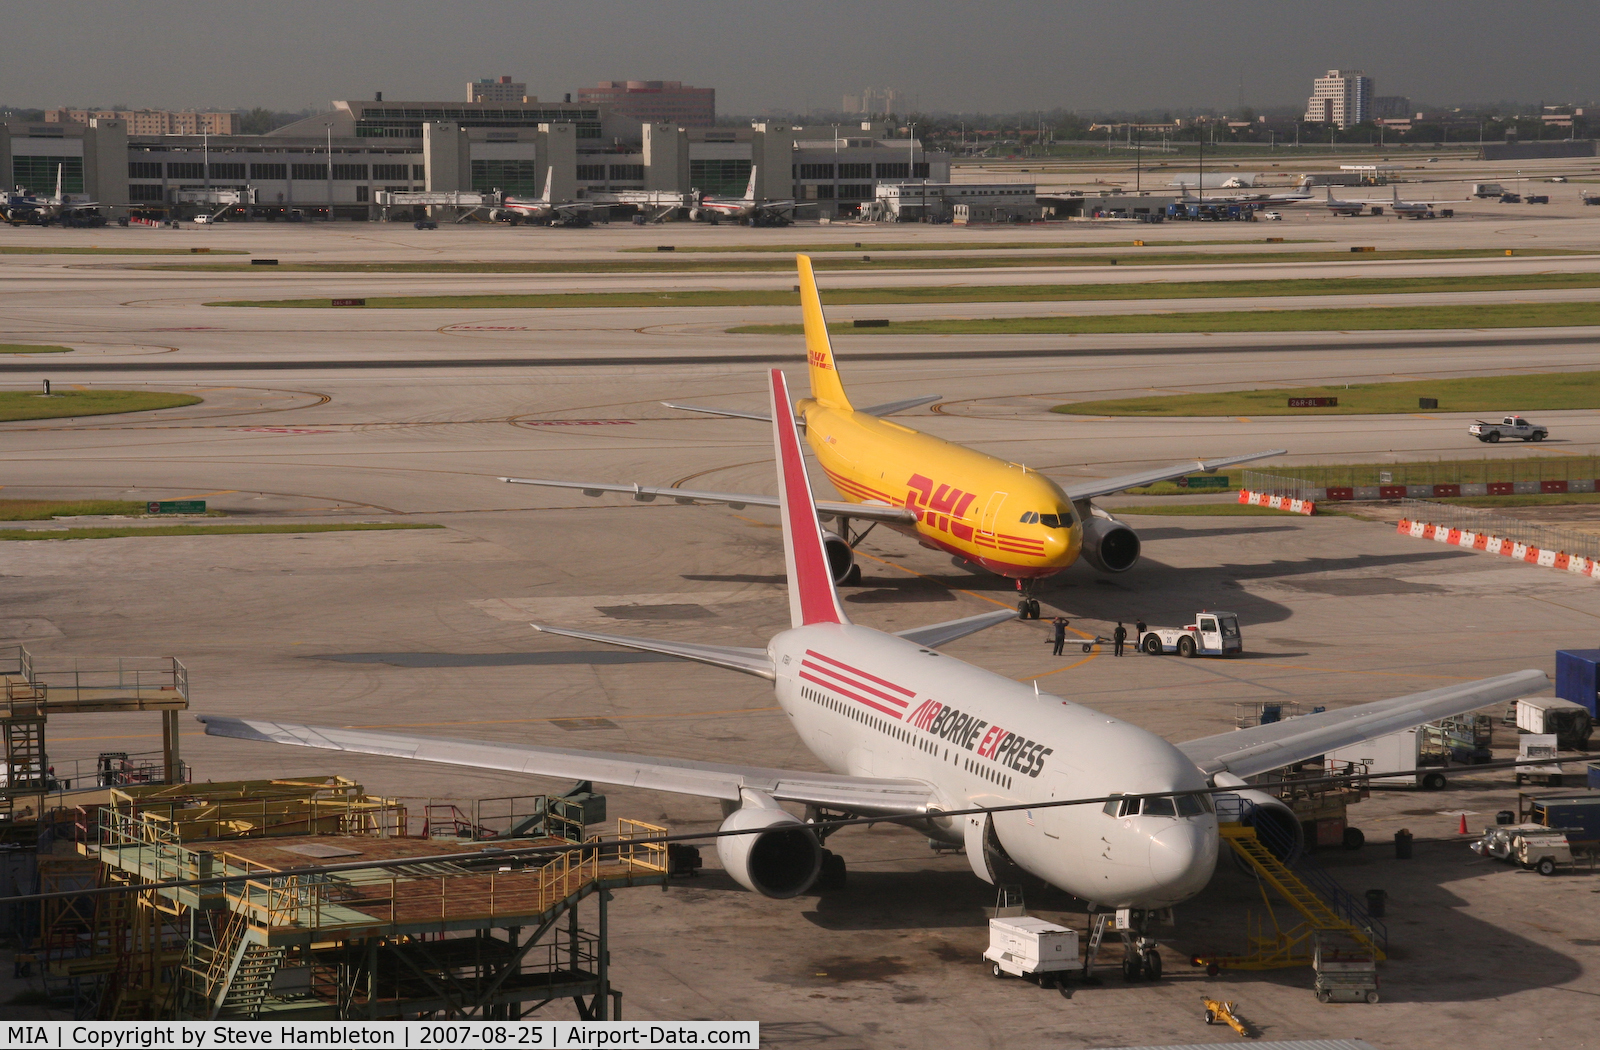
<point x="1508" y="427"/>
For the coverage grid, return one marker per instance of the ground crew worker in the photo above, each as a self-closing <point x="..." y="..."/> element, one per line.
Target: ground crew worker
<point x="1139" y="627"/>
<point x="1060" y="636"/>
<point x="1119" y="636"/>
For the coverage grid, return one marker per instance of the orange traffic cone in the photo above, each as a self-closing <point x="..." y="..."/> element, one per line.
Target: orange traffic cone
<point x="1463" y="830"/>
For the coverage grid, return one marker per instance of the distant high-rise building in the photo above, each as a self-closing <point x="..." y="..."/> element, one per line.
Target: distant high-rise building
<point x="152" y="121"/>
<point x="1390" y="107"/>
<point x="655" y="101"/>
<point x="1342" y="97"/>
<point x="504" y="89"/>
<point x="873" y="101"/>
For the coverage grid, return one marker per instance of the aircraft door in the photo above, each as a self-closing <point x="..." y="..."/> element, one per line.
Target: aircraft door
<point x="991" y="513"/>
<point x="976" y="829"/>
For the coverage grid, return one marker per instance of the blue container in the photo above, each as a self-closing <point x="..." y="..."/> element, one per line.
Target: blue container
<point x="1576" y="678"/>
<point x="1594" y="776"/>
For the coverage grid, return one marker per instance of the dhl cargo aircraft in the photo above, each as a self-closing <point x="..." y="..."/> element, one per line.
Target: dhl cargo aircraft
<point x="1011" y="520"/>
<point x="909" y="732"/>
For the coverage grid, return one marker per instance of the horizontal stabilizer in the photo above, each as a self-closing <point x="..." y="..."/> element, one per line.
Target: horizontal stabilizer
<point x="1247" y="752"/>
<point x="937" y="634"/>
<point x="1106" y="486"/>
<point x="901" y="406"/>
<point x="737" y="500"/>
<point x="732" y="657"/>
<point x="764" y="417"/>
<point x="867" y="795"/>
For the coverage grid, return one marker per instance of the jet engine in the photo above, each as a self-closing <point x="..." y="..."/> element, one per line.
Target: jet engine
<point x="696" y="214"/>
<point x="781" y="861"/>
<point x="841" y="559"/>
<point x="1276" y="824"/>
<point x="1108" y="544"/>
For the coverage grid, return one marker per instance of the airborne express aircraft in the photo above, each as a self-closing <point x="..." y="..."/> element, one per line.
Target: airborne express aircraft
<point x="1011" y="520"/>
<point x="909" y="732"/>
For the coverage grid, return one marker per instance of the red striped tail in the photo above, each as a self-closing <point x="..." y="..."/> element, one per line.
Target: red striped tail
<point x="812" y="598"/>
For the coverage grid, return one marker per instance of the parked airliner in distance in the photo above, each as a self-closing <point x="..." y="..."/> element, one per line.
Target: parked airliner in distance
<point x="910" y="732"/>
<point x="986" y="511"/>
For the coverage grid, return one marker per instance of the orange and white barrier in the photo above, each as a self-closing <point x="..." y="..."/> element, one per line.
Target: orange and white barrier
<point x="1284" y="503"/>
<point x="1499" y="545"/>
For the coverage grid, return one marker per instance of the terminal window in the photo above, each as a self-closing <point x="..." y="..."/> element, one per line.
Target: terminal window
<point x="144" y="192"/>
<point x="269" y="171"/>
<point x="227" y="171"/>
<point x="627" y="172"/>
<point x="144" y="169"/>
<point x="862" y="192"/>
<point x="719" y="176"/>
<point x="185" y="170"/>
<point x="816" y="171"/>
<point x="350" y="172"/>
<point x="855" y="171"/>
<point x="38" y="174"/>
<point x="309" y="171"/>
<point x="591" y="173"/>
<point x="894" y="171"/>
<point x="919" y="170"/>
<point x="520" y="178"/>
<point x="419" y="172"/>
<point x="391" y="171"/>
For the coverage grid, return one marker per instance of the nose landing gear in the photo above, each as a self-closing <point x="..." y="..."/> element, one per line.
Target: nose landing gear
<point x="1141" y="954"/>
<point x="1027" y="605"/>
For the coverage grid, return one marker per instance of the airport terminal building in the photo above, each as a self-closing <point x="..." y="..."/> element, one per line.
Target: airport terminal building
<point x="335" y="163"/>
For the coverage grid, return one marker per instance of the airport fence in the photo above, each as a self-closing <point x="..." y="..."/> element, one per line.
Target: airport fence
<point x="1487" y="523"/>
<point x="1279" y="485"/>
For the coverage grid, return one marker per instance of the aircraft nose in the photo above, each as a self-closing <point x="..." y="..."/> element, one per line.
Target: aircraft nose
<point x="1181" y="854"/>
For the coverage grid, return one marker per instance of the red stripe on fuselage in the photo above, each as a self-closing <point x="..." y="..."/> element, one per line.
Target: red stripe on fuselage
<point x="857" y="671"/>
<point x="891" y="712"/>
<point x="852" y="682"/>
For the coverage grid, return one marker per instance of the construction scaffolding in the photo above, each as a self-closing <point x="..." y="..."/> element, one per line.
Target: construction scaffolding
<point x="421" y="936"/>
<point x="114" y="685"/>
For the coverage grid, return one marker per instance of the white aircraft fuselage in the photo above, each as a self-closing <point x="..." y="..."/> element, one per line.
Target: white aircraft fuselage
<point x="870" y="704"/>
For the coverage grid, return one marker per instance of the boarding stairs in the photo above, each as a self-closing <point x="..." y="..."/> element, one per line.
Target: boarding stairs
<point x="1306" y="887"/>
<point x="231" y="978"/>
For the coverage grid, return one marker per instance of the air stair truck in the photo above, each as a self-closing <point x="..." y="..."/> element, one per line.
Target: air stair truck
<point x="1398" y="753"/>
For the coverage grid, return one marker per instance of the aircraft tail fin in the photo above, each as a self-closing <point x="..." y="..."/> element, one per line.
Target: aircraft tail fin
<point x="750" y="187"/>
<point x="58" y="182"/>
<point x="812" y="597"/>
<point x="826" y="386"/>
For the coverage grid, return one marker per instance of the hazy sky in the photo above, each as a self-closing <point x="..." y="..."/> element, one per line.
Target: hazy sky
<point x="1023" y="54"/>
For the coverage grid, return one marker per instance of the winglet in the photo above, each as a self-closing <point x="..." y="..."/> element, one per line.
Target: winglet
<point x="826" y="386"/>
<point x="812" y="598"/>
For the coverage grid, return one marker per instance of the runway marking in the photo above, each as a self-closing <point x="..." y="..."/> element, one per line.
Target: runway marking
<point x="1381" y="674"/>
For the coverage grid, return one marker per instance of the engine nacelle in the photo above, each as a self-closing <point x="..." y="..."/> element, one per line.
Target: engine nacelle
<point x="841" y="559"/>
<point x="1108" y="544"/>
<point x="696" y="214"/>
<point x="781" y="861"/>
<point x="1276" y="824"/>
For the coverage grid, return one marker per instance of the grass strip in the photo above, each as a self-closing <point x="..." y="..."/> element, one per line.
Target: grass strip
<point x="23" y="404"/>
<point x="113" y="532"/>
<point x="1543" y="499"/>
<point x="1493" y="395"/>
<point x="45" y="509"/>
<point x="1207" y="510"/>
<point x="1345" y="319"/>
<point x="999" y="293"/>
<point x="1498" y="466"/>
<point x="964" y="262"/>
<point x="949" y="246"/>
<point x="17" y="249"/>
<point x="33" y="348"/>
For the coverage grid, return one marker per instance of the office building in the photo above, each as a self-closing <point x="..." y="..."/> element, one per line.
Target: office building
<point x="504" y="89"/>
<point x="1342" y="97"/>
<point x="152" y="121"/>
<point x="873" y="101"/>
<point x="655" y="101"/>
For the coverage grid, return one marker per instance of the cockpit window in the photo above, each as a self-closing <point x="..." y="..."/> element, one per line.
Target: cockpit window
<point x="1061" y="519"/>
<point x="1030" y="517"/>
<point x="1113" y="807"/>
<point x="1190" y="805"/>
<point x="1159" y="807"/>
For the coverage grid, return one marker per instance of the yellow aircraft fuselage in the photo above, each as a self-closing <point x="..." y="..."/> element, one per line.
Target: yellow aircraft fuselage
<point x="1003" y="516"/>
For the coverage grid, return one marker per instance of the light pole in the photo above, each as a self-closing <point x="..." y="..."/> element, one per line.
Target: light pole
<point x="329" y="126"/>
<point x="205" y="152"/>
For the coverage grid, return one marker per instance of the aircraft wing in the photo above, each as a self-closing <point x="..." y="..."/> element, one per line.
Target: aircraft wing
<point x="1106" y="486"/>
<point x="738" y="501"/>
<point x="937" y="634"/>
<point x="1246" y="752"/>
<point x="683" y="776"/>
<point x="734" y="658"/>
<point x="887" y="409"/>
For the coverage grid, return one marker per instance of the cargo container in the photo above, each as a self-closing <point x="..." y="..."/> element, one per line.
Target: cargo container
<point x="1570" y="723"/>
<point x="1577" y="678"/>
<point x="1398" y="753"/>
<point x="1578" y="815"/>
<point x="1027" y="946"/>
